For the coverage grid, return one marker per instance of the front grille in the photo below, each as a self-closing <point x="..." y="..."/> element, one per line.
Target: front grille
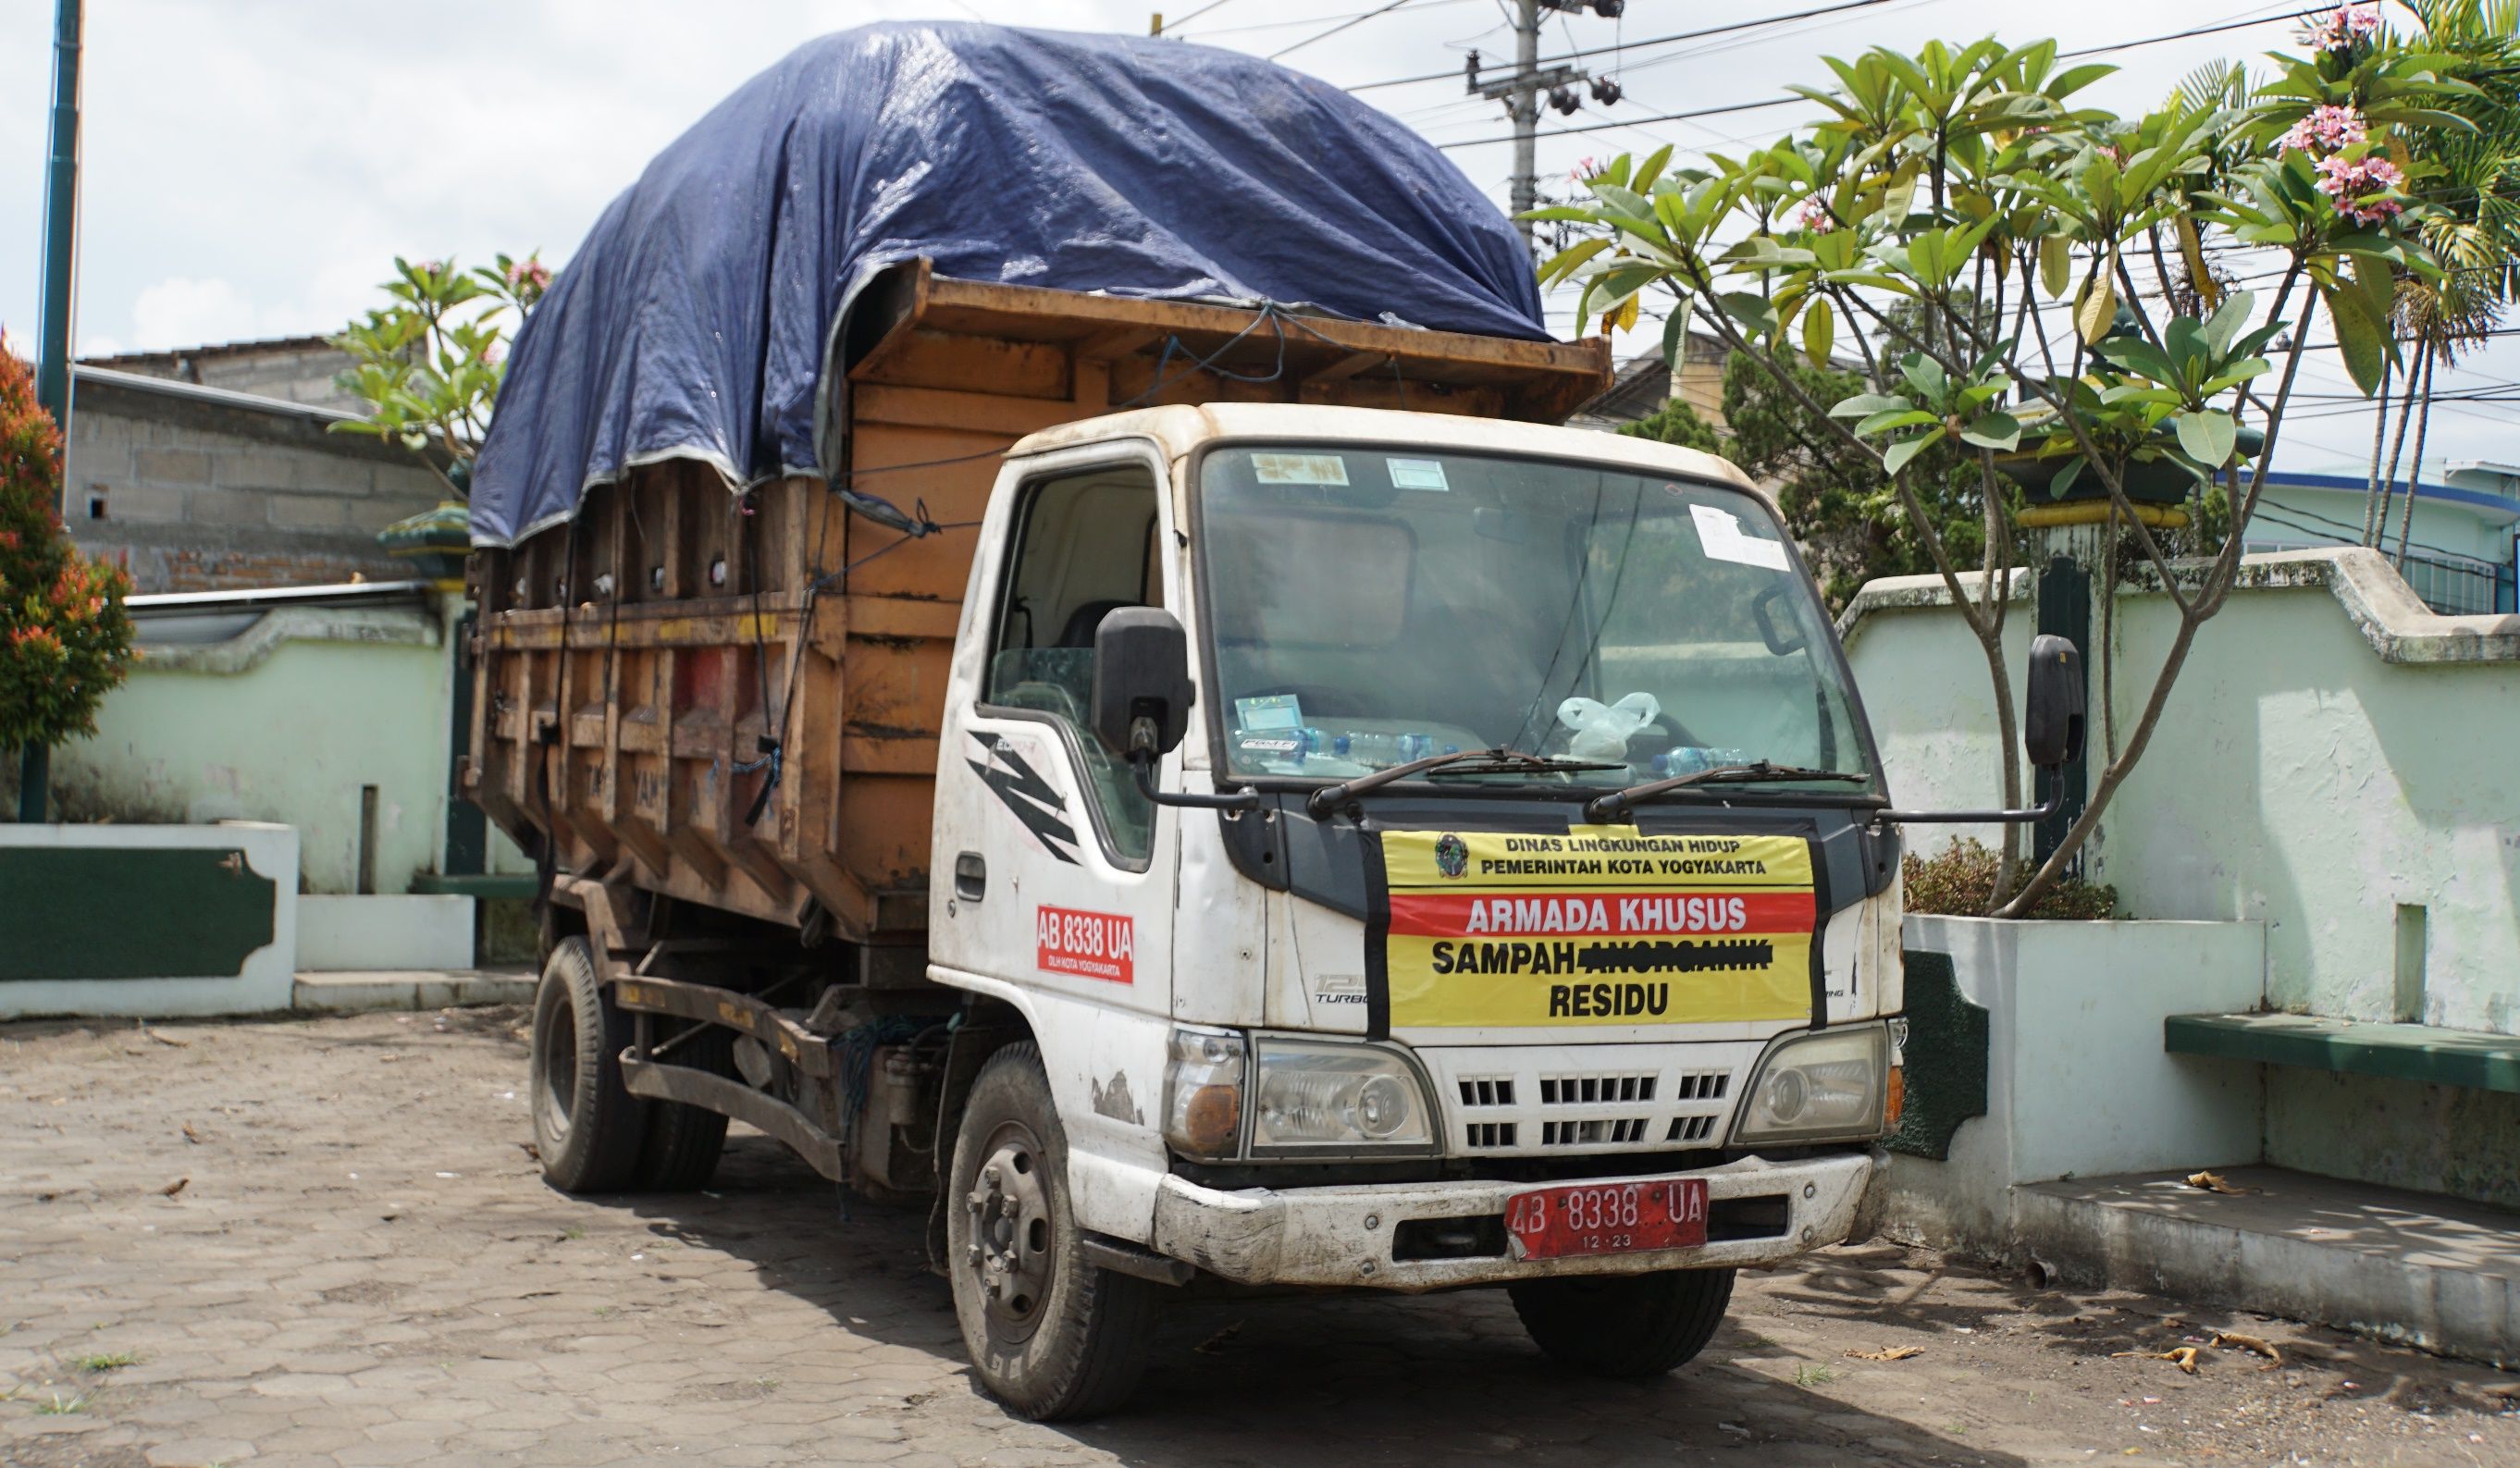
<point x="1586" y="1090"/>
<point x="1505" y="1100"/>
<point x="1577" y="1133"/>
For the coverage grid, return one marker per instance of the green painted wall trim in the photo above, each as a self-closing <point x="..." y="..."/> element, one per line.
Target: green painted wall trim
<point x="1945" y="1064"/>
<point x="2401" y="1053"/>
<point x="131" y="912"/>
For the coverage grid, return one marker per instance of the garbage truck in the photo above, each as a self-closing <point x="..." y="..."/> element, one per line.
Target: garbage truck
<point x="1038" y="618"/>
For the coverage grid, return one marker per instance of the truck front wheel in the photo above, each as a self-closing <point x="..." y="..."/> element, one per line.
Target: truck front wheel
<point x="1054" y="1337"/>
<point x="588" y="1127"/>
<point x="1624" y="1326"/>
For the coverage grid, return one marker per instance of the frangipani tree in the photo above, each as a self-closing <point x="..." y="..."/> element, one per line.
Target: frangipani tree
<point x="1951" y="200"/>
<point x="429" y="360"/>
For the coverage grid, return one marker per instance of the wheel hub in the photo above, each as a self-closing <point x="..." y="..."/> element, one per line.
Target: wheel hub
<point x="1009" y="1249"/>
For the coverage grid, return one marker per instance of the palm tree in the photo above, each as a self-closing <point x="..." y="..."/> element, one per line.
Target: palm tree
<point x="2475" y="233"/>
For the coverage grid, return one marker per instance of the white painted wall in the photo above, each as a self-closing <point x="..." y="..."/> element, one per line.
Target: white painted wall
<point x="386" y="931"/>
<point x="2326" y="755"/>
<point x="2077" y="1081"/>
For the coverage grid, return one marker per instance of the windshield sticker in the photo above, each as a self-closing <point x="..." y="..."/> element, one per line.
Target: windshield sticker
<point x="1417" y="473"/>
<point x="1300" y="468"/>
<point x="1721" y="535"/>
<point x="1275" y="711"/>
<point x="1599" y="926"/>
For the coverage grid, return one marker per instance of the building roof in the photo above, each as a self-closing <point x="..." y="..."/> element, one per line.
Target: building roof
<point x="219" y="397"/>
<point x="254" y="347"/>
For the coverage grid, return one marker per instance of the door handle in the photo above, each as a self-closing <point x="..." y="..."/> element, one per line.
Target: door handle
<point x="970" y="876"/>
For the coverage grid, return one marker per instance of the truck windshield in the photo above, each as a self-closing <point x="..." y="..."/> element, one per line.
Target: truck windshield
<point x="1369" y="607"/>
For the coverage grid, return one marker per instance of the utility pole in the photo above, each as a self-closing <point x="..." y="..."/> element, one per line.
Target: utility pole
<point x="61" y="222"/>
<point x="1523" y="90"/>
<point x="53" y="341"/>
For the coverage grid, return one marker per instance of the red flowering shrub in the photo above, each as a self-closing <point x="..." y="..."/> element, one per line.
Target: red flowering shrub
<point x="65" y="635"/>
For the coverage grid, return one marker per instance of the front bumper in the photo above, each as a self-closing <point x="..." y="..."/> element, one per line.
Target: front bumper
<point x="1343" y="1236"/>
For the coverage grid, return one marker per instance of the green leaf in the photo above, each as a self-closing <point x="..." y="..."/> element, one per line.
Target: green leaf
<point x="1819" y="334"/>
<point x="2361" y="338"/>
<point x="2070" y="82"/>
<point x="1750" y="308"/>
<point x="1901" y="452"/>
<point x="2066" y="476"/>
<point x="1562" y="264"/>
<point x="1865" y="404"/>
<point x="1650" y="169"/>
<point x="1675" y="335"/>
<point x="1993" y="430"/>
<point x="2055" y="265"/>
<point x="1928" y="375"/>
<point x="1896" y="418"/>
<point x="2225" y="325"/>
<point x="2207" y="436"/>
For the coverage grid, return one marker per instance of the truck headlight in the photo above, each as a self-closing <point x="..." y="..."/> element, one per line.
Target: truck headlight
<point x="1825" y="1086"/>
<point x="1203" y="1093"/>
<point x="1333" y="1097"/>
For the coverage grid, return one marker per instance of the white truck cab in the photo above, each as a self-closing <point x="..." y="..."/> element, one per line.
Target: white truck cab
<point x="1425" y="851"/>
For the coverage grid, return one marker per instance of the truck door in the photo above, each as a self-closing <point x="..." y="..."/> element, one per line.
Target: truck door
<point x="1052" y="872"/>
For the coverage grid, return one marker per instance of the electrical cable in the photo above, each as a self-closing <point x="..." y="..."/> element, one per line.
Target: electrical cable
<point x="1353" y="20"/>
<point x="1791" y="99"/>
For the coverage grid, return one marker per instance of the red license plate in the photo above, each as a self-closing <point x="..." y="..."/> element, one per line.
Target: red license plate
<point x="1608" y="1217"/>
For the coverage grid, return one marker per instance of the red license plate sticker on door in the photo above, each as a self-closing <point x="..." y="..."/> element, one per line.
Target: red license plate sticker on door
<point x="1088" y="945"/>
<point x="1608" y="1217"/>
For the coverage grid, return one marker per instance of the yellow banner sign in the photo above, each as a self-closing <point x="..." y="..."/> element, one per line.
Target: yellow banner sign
<point x="1598" y="926"/>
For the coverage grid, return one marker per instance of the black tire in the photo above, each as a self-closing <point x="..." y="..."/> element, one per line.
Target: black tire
<point x="1624" y="1326"/>
<point x="683" y="1143"/>
<point x="587" y="1127"/>
<point x="1052" y="1337"/>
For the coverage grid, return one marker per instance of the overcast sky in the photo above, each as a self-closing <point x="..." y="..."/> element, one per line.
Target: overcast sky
<point x="252" y="166"/>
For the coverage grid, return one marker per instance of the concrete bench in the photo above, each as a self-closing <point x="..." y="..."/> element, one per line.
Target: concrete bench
<point x="2403" y="1052"/>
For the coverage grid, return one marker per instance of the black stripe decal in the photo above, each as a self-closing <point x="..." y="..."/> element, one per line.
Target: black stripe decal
<point x="1377" y="938"/>
<point x="1022" y="790"/>
<point x="1822" y="910"/>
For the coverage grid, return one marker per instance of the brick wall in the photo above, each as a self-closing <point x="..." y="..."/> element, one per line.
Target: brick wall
<point x="207" y="496"/>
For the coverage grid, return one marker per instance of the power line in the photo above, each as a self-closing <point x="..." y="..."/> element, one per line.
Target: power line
<point x="1351" y="20"/>
<point x="1791" y="100"/>
<point x="1661" y="40"/>
<point x="1162" y="24"/>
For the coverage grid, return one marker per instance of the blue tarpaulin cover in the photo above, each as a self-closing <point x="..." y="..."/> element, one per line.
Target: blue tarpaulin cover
<point x="696" y="320"/>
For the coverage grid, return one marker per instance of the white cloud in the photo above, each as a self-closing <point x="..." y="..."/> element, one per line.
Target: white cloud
<point x="185" y="311"/>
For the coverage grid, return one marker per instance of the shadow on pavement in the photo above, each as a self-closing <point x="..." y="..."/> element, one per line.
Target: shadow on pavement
<point x="1313" y="1380"/>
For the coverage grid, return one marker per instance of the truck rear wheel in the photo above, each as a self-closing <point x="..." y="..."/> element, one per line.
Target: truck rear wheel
<point x="683" y="1143"/>
<point x="587" y="1127"/>
<point x="1054" y="1337"/>
<point x="1625" y="1326"/>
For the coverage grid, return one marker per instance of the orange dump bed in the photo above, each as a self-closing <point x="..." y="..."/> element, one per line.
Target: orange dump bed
<point x="635" y="666"/>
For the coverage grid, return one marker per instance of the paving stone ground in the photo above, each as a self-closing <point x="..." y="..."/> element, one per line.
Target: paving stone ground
<point x="322" y="1242"/>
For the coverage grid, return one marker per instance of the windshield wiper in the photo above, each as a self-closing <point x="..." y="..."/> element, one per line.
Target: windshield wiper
<point x="1604" y="809"/>
<point x="1488" y="760"/>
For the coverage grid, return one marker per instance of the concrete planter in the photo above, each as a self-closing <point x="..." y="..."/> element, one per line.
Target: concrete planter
<point x="147" y="919"/>
<point x="2076" y="1080"/>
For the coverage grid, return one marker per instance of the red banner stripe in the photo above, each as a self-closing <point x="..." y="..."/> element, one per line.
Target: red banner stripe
<point x="1542" y="913"/>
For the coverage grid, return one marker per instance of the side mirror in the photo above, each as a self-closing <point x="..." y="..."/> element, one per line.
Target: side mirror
<point x="2053" y="716"/>
<point x="1142" y="687"/>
